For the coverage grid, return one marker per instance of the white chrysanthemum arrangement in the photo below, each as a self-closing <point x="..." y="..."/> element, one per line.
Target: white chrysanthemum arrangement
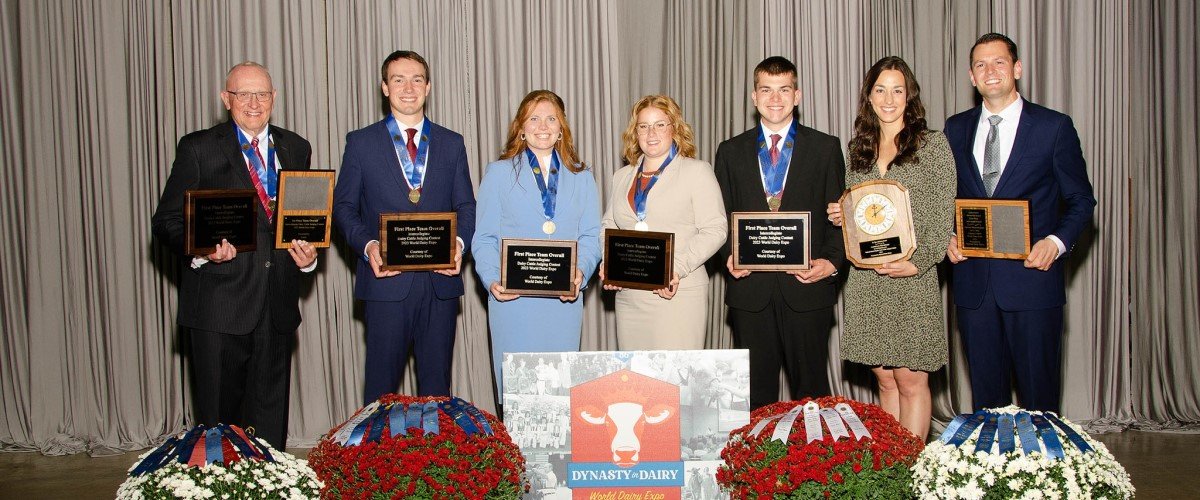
<point x="1038" y="456"/>
<point x="247" y="468"/>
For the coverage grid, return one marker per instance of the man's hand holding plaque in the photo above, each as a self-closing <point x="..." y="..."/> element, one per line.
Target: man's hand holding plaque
<point x="997" y="229"/>
<point x="216" y="218"/>
<point x="305" y="208"/>
<point x="418" y="241"/>
<point x="769" y="241"/>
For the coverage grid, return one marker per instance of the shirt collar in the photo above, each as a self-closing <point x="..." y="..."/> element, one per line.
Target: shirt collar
<point x="419" y="126"/>
<point x="1010" y="113"/>
<point x="783" y="132"/>
<point x="262" y="136"/>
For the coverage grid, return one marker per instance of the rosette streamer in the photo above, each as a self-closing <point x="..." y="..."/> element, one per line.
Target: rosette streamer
<point x="369" y="425"/>
<point x="202" y="445"/>
<point x="1036" y="432"/>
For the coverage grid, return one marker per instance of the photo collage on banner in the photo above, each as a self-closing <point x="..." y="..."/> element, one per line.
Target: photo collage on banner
<point x="641" y="425"/>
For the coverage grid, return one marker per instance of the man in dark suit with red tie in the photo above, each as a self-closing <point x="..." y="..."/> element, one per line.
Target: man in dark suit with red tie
<point x="240" y="310"/>
<point x="784" y="319"/>
<point x="404" y="163"/>
<point x="1010" y="312"/>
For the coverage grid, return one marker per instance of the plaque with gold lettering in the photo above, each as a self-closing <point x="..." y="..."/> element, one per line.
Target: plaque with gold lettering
<point x="418" y="241"/>
<point x="643" y="260"/>
<point x="877" y="225"/>
<point x="770" y="241"/>
<point x="305" y="209"/>
<point x="992" y="228"/>
<point x="212" y="215"/>
<point x="538" y="267"/>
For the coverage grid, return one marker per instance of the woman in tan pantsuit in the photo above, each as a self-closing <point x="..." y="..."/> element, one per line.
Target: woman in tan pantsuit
<point x="675" y="193"/>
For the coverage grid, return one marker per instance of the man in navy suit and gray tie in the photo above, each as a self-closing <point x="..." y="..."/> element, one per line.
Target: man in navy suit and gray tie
<point x="404" y="163"/>
<point x="240" y="310"/>
<point x="1010" y="312"/>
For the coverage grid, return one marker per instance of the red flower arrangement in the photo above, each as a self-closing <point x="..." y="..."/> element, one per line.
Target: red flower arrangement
<point x="447" y="464"/>
<point x="757" y="466"/>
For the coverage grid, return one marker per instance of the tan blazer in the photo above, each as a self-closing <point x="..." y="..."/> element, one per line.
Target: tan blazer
<point x="686" y="201"/>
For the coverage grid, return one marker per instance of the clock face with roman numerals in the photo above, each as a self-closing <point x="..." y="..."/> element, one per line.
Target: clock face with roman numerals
<point x="874" y="214"/>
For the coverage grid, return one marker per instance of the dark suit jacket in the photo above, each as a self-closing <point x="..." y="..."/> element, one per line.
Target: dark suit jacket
<point x="371" y="182"/>
<point x="1045" y="167"/>
<point x="230" y="297"/>
<point x="816" y="177"/>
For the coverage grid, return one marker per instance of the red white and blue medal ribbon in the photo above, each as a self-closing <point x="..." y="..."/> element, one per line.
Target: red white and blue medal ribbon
<point x="262" y="176"/>
<point x="414" y="171"/>
<point x="774" y="173"/>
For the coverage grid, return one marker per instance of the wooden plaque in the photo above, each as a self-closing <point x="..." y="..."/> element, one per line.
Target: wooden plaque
<point x="992" y="228"/>
<point x="877" y="224"/>
<point x="212" y="215"/>
<point x="305" y="210"/>
<point x="418" y="241"/>
<point x="771" y="241"/>
<point x="538" y="267"/>
<point x="644" y="260"/>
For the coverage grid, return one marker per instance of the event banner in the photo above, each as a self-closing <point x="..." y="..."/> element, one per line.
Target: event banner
<point x="640" y="425"/>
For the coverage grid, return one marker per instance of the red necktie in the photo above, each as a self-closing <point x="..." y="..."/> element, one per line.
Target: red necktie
<point x="412" y="144"/>
<point x="258" y="182"/>
<point x="775" y="148"/>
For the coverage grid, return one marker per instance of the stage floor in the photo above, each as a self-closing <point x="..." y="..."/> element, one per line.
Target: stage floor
<point x="1162" y="466"/>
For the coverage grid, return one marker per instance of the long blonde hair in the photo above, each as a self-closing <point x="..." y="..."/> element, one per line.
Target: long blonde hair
<point x="684" y="139"/>
<point x="565" y="147"/>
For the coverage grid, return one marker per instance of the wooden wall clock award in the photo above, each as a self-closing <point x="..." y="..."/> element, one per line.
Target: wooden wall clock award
<point x="877" y="223"/>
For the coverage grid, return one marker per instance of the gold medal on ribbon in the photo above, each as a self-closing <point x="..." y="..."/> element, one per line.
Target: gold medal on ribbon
<point x="773" y="202"/>
<point x="271" y="205"/>
<point x="414" y="195"/>
<point x="548" y="227"/>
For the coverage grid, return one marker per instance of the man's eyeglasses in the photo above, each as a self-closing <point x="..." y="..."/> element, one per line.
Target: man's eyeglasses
<point x="659" y="127"/>
<point x="244" y="97"/>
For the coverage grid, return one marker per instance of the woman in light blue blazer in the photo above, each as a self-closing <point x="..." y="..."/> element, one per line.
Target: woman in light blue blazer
<point x="514" y="203"/>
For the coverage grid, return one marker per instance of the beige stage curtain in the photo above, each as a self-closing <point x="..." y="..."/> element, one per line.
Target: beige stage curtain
<point x="97" y="92"/>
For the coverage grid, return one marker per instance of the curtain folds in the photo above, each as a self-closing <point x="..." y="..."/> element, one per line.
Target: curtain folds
<point x="96" y="94"/>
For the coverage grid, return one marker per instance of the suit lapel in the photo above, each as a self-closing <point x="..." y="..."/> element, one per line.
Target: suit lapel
<point x="282" y="151"/>
<point x="795" y="174"/>
<point x="233" y="153"/>
<point x="970" y="133"/>
<point x="1025" y="128"/>
<point x="754" y="185"/>
<point x="392" y="164"/>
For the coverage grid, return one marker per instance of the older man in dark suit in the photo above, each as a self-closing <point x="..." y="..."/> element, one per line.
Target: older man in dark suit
<point x="784" y="319"/>
<point x="404" y="163"/>
<point x="240" y="309"/>
<point x="1010" y="312"/>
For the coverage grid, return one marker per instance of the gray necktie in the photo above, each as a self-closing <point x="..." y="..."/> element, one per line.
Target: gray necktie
<point x="991" y="156"/>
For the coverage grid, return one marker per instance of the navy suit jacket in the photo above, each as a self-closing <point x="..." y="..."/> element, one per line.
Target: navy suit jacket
<point x="231" y="297"/>
<point x="371" y="182"/>
<point x="1046" y="167"/>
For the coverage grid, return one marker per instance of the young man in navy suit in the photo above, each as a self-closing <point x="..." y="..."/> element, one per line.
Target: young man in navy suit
<point x="1010" y="312"/>
<point x="404" y="163"/>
